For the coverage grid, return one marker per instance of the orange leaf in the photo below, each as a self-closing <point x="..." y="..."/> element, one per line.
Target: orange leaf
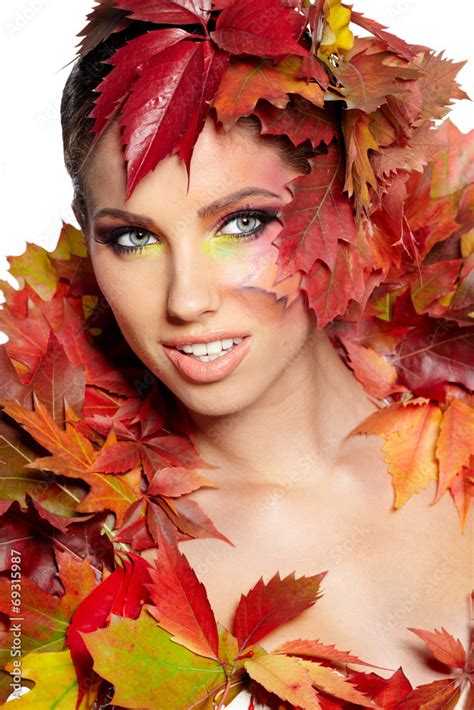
<point x="112" y="492"/>
<point x="72" y="452"/>
<point x="411" y="432"/>
<point x="359" y="141"/>
<point x="374" y="371"/>
<point x="455" y="442"/>
<point x="247" y="81"/>
<point x="462" y="490"/>
<point x="440" y="695"/>
<point x="444" y="647"/>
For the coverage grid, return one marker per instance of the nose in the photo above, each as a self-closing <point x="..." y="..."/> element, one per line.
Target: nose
<point x="192" y="290"/>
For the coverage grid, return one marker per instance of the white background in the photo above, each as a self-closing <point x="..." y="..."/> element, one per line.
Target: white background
<point x="38" y="37"/>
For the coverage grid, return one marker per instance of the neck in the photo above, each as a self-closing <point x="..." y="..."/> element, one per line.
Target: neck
<point x="298" y="424"/>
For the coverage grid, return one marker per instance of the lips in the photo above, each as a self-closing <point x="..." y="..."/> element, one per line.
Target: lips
<point x="193" y="369"/>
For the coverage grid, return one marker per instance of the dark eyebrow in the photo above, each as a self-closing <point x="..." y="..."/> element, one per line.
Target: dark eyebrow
<point x="202" y="212"/>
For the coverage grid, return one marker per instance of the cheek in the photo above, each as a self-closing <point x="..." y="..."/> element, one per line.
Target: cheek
<point x="253" y="264"/>
<point x="133" y="307"/>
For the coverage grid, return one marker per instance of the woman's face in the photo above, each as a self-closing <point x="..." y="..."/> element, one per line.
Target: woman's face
<point x="195" y="269"/>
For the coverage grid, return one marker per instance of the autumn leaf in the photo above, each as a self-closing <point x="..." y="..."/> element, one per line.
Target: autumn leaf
<point x="45" y="617"/>
<point x="394" y="43"/>
<point x="301" y="121"/>
<point x="34" y="268"/>
<point x="315" y="649"/>
<point x="167" y="11"/>
<point x="103" y="20"/>
<point x="437" y="84"/>
<point x="317" y="217"/>
<point x="455" y="442"/>
<point x="336" y="33"/>
<point x="115" y="493"/>
<point x="359" y="140"/>
<point x="334" y="684"/>
<point x="439" y="695"/>
<point x="452" y="168"/>
<point x="374" y="371"/>
<point x="387" y="693"/>
<point x="248" y="80"/>
<point x="190" y="519"/>
<point x="286" y="677"/>
<point x="431" y="356"/>
<point x="180" y="603"/>
<point x="127" y="652"/>
<point x="258" y="27"/>
<point x="367" y="78"/>
<point x="173" y="482"/>
<point x="444" y="647"/>
<point x="28" y="339"/>
<point x="37" y="539"/>
<point x="117" y="84"/>
<point x="434" y="282"/>
<point x="72" y="453"/>
<point x="462" y="491"/>
<point x="55" y="683"/>
<point x="330" y="290"/>
<point x="16" y="481"/>
<point x="122" y="593"/>
<point x="160" y="107"/>
<point x="269" y="605"/>
<point x="411" y="433"/>
<point x="216" y="62"/>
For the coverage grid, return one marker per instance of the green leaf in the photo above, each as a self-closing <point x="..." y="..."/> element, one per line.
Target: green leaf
<point x="147" y="668"/>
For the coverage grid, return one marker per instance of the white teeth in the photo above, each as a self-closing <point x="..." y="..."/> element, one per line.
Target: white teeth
<point x="214" y="348"/>
<point x="199" y="349"/>
<point x="206" y="352"/>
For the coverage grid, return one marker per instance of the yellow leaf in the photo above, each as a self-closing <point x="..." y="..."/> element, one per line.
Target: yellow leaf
<point x="336" y="33"/>
<point x="55" y="680"/>
<point x="35" y="268"/>
<point x="286" y="677"/>
<point x="71" y="242"/>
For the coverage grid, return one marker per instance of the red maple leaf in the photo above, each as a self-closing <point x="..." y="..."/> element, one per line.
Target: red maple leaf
<point x="318" y="216"/>
<point x="263" y="28"/>
<point x="160" y="107"/>
<point x="269" y="605"/>
<point x="180" y="603"/>
<point x="123" y="592"/>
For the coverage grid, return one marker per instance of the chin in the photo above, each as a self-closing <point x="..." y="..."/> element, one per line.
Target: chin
<point x="217" y="399"/>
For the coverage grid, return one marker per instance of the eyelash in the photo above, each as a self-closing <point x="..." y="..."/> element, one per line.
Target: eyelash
<point x="265" y="216"/>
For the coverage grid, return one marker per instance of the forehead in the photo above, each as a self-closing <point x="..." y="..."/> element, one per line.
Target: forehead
<point x="222" y="162"/>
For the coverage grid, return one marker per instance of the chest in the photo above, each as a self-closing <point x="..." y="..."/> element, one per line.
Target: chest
<point x="387" y="570"/>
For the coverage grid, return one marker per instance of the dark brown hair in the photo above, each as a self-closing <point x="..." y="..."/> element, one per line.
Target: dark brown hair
<point x="78" y="101"/>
